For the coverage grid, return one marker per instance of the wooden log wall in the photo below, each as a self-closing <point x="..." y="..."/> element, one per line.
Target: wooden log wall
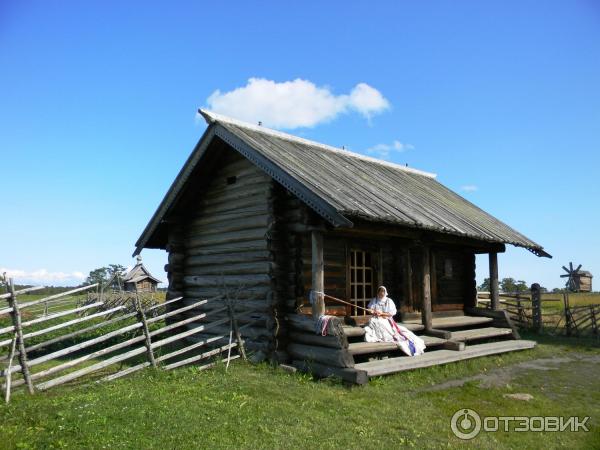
<point x="222" y="247"/>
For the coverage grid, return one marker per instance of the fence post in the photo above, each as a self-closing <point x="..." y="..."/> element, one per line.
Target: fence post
<point x="148" y="341"/>
<point x="16" y="319"/>
<point x="568" y="317"/>
<point x="536" y="307"/>
<point x="236" y="330"/>
<point x="594" y="323"/>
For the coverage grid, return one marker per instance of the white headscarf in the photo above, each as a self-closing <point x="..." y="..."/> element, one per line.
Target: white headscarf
<point x="385" y="296"/>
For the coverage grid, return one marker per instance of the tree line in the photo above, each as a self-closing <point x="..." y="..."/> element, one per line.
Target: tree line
<point x="510" y="285"/>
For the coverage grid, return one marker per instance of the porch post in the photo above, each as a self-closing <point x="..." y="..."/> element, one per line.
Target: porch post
<point x="494" y="296"/>
<point x="426" y="308"/>
<point x="318" y="281"/>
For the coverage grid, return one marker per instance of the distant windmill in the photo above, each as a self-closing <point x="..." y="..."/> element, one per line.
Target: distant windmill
<point x="573" y="277"/>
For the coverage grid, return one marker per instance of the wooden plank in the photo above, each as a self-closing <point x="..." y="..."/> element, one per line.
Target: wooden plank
<point x="363" y="348"/>
<point x="124" y="372"/>
<point x="189" y="348"/>
<point x="78" y="332"/>
<point x="67" y="324"/>
<point x="22" y="291"/>
<point x="201" y="356"/>
<point x="52" y="316"/>
<point x="168" y="302"/>
<point x="438" y="357"/>
<point x="480" y="333"/>
<point x="113" y="348"/>
<point x="90" y="369"/>
<point x="181" y="310"/>
<point x="213" y="364"/>
<point x="53" y="297"/>
<point x="456" y="322"/>
<point x="121" y="345"/>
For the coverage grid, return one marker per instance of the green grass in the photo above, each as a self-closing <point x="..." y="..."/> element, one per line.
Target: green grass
<point x="262" y="407"/>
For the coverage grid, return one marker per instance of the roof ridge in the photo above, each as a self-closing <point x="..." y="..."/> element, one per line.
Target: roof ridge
<point x="212" y="117"/>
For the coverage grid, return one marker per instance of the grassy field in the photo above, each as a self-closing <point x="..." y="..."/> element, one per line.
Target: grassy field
<point x="583" y="298"/>
<point x="575" y="299"/>
<point x="262" y="407"/>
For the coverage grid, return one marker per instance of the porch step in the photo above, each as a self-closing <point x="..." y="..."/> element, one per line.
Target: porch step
<point x="352" y="331"/>
<point x="480" y="333"/>
<point x="443" y="323"/>
<point x="363" y="348"/>
<point x="438" y="357"/>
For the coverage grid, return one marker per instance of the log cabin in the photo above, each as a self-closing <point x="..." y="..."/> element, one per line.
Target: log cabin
<point x="266" y="217"/>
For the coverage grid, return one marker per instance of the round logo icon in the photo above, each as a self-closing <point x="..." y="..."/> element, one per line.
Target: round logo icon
<point x="465" y="424"/>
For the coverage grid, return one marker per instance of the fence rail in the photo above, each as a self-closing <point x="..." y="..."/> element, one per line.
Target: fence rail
<point x="85" y="337"/>
<point x="535" y="310"/>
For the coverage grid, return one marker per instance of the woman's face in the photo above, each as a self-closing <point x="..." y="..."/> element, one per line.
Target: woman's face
<point x="380" y="293"/>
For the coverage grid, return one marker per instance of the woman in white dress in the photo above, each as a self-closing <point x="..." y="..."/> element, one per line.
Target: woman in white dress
<point x="383" y="328"/>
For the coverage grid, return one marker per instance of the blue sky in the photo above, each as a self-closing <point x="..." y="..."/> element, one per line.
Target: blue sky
<point x="98" y="112"/>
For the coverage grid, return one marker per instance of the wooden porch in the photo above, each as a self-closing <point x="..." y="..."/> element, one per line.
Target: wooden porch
<point x="450" y="335"/>
<point x="456" y="336"/>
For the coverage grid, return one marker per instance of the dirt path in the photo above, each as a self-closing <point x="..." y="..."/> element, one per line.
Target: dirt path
<point x="583" y="365"/>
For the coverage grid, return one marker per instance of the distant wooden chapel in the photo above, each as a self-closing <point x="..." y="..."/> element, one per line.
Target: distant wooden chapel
<point x="139" y="279"/>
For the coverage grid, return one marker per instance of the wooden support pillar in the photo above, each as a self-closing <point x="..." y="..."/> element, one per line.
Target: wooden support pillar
<point x="536" y="307"/>
<point x="494" y="291"/>
<point x="318" y="277"/>
<point x="426" y="286"/>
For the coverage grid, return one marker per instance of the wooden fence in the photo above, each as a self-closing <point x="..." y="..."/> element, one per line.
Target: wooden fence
<point x="550" y="313"/>
<point x="53" y="348"/>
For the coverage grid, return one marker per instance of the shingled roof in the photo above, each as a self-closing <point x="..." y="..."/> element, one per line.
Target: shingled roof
<point x="339" y="185"/>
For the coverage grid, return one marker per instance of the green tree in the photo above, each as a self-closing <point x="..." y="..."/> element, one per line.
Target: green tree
<point x="99" y="275"/>
<point x="521" y="286"/>
<point x="485" y="286"/>
<point x="116" y="269"/>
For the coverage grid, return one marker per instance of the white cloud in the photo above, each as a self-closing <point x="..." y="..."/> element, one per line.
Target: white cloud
<point x="384" y="151"/>
<point x="42" y="276"/>
<point x="469" y="188"/>
<point x="294" y="104"/>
